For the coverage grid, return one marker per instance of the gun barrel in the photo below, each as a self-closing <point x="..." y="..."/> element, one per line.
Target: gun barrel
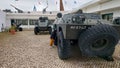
<point x="19" y="10"/>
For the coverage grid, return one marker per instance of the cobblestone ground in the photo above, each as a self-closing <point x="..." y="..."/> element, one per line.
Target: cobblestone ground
<point x="26" y="50"/>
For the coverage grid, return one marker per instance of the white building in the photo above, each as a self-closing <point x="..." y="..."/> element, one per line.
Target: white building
<point x="109" y="9"/>
<point x="28" y="19"/>
<point x="2" y="21"/>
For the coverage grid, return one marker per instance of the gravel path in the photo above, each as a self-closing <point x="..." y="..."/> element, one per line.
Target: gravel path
<point x="26" y="50"/>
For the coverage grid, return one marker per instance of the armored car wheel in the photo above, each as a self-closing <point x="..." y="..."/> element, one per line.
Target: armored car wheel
<point x="36" y="30"/>
<point x="99" y="40"/>
<point x="63" y="47"/>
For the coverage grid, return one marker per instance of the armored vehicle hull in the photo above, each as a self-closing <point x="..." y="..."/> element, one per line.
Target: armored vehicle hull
<point x="41" y="29"/>
<point x="94" y="36"/>
<point x="42" y="25"/>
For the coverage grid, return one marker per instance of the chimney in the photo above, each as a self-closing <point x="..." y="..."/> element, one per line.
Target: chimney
<point x="61" y="6"/>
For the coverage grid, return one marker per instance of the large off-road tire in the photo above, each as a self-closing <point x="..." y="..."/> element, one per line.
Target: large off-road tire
<point x="99" y="40"/>
<point x="36" y="30"/>
<point x="63" y="47"/>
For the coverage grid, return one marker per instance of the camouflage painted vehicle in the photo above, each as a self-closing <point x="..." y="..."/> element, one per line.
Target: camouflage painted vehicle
<point x="42" y="25"/>
<point x="94" y="36"/>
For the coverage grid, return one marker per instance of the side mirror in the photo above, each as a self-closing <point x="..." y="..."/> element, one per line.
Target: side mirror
<point x="59" y="15"/>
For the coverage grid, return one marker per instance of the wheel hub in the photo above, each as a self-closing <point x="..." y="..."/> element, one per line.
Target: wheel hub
<point x="99" y="44"/>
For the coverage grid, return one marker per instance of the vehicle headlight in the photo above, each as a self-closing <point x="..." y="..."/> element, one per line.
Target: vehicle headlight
<point x="73" y="19"/>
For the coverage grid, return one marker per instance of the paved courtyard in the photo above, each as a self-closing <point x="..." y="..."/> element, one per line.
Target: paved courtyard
<point x="26" y="50"/>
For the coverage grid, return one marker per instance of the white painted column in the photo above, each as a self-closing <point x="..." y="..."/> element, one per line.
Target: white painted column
<point x="28" y="24"/>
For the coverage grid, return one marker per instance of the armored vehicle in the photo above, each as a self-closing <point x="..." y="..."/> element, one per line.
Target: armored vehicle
<point x="42" y="25"/>
<point x="94" y="36"/>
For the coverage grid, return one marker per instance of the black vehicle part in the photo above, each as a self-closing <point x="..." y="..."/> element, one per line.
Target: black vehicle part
<point x="20" y="29"/>
<point x="40" y="18"/>
<point x="50" y="30"/>
<point x="36" y="30"/>
<point x="108" y="58"/>
<point x="59" y="15"/>
<point x="98" y="40"/>
<point x="55" y="42"/>
<point x="117" y="21"/>
<point x="54" y="36"/>
<point x="63" y="47"/>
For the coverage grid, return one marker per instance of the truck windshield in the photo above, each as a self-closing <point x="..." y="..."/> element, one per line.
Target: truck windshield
<point x="43" y="19"/>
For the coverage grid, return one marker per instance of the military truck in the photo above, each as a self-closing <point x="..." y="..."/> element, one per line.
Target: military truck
<point x="94" y="36"/>
<point x="42" y="25"/>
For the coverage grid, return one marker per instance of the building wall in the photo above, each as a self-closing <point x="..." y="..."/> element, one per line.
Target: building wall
<point x="116" y="12"/>
<point x="101" y="6"/>
<point x="104" y="7"/>
<point x="29" y="16"/>
<point x="8" y="22"/>
<point x="91" y="8"/>
<point x="2" y="20"/>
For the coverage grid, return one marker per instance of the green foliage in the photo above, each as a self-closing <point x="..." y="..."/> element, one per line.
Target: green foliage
<point x="13" y="28"/>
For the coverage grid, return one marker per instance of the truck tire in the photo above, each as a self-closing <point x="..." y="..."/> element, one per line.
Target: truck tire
<point x="63" y="47"/>
<point x="36" y="31"/>
<point x="99" y="40"/>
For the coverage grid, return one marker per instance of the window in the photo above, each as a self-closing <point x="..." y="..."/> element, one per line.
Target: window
<point x="32" y="21"/>
<point x="20" y="21"/>
<point x="43" y="19"/>
<point x="108" y="16"/>
<point x="24" y="22"/>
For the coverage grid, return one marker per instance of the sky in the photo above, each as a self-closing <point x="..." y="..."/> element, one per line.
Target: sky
<point x="53" y="5"/>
